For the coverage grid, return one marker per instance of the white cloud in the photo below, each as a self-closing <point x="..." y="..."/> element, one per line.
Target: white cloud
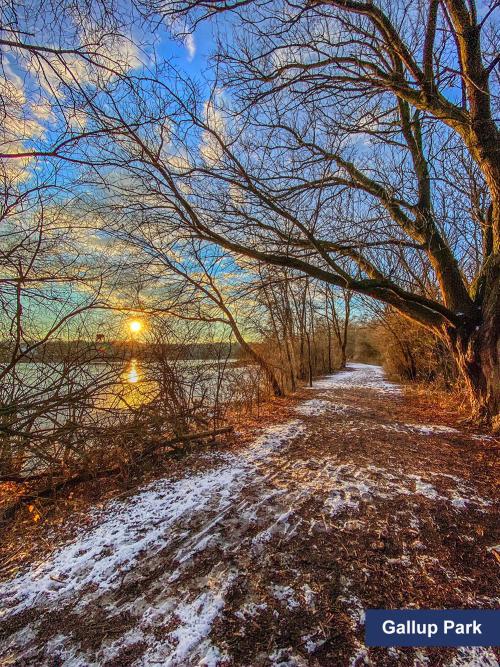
<point x="211" y="149"/>
<point x="190" y="44"/>
<point x="20" y="125"/>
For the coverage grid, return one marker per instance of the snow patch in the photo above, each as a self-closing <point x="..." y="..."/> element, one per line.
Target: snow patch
<point x="250" y="610"/>
<point x="361" y="658"/>
<point x="285" y="594"/>
<point x="474" y="657"/>
<point x="313" y="408"/>
<point x="425" y="489"/>
<point x="358" y="376"/>
<point x="355" y="608"/>
<point x="431" y="429"/>
<point x="347" y="494"/>
<point x="196" y="620"/>
<point x="311" y="643"/>
<point x="285" y="657"/>
<point x="309" y="596"/>
<point x="129" y="534"/>
<point x="346" y="486"/>
<point x="213" y="658"/>
<point x="127" y="529"/>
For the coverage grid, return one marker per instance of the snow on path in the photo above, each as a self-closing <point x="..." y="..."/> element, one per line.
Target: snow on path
<point x="126" y="531"/>
<point x="163" y="527"/>
<point x="313" y="407"/>
<point x="358" y="376"/>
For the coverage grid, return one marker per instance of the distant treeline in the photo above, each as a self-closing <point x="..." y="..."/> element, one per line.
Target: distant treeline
<point x="361" y="346"/>
<point x="92" y="351"/>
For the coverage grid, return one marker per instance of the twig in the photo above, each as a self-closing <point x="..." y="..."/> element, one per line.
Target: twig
<point x="87" y="476"/>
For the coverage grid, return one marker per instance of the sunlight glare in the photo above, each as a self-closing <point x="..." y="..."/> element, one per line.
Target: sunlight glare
<point x="135" y="326"/>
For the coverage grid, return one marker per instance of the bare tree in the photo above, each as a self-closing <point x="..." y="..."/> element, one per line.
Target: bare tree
<point x="198" y="289"/>
<point x="339" y="324"/>
<point x="336" y="142"/>
<point x="329" y="150"/>
<point x="48" y="292"/>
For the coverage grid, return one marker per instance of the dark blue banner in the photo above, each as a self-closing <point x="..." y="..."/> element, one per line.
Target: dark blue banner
<point x="432" y="627"/>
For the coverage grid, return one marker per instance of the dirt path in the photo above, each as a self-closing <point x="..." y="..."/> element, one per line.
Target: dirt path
<point x="271" y="555"/>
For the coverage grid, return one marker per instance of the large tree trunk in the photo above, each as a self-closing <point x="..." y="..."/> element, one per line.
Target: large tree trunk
<point x="477" y="353"/>
<point x="478" y="362"/>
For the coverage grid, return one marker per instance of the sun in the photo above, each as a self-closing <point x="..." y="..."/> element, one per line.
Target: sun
<point x="135" y="326"/>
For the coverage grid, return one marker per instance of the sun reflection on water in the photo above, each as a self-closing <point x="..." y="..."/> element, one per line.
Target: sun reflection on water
<point x="132" y="373"/>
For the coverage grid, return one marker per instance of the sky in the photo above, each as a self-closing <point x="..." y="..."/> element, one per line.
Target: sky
<point x="37" y="96"/>
<point x="37" y="107"/>
<point x="33" y="113"/>
<point x="191" y="56"/>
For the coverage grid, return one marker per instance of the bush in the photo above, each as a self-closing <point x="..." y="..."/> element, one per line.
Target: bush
<point x="413" y="353"/>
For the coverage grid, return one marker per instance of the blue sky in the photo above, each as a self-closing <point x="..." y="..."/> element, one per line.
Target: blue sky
<point x="192" y="56"/>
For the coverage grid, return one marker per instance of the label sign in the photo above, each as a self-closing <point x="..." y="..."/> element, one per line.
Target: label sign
<point x="432" y="627"/>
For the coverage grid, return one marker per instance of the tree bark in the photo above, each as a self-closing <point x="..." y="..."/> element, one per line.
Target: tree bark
<point x="477" y="353"/>
<point x="343" y="355"/>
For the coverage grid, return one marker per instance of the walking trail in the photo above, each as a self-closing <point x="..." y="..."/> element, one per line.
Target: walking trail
<point x="271" y="554"/>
